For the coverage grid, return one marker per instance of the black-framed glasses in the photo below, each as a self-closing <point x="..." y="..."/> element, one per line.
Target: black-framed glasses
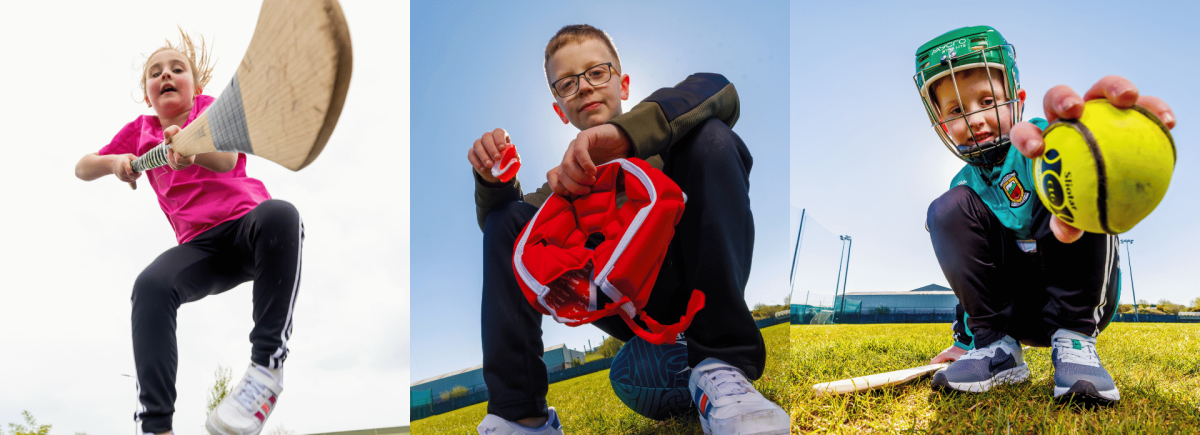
<point x="596" y="75"/>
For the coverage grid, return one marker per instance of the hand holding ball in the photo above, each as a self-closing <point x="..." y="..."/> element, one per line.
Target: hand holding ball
<point x="1106" y="171"/>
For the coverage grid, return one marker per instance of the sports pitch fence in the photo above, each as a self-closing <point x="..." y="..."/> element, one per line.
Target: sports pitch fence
<point x="805" y="315"/>
<point x="422" y="404"/>
<point x="427" y="408"/>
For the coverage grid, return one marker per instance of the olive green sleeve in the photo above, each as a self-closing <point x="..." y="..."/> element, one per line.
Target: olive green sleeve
<point x="539" y="197"/>
<point x="489" y="196"/>
<point x="670" y="113"/>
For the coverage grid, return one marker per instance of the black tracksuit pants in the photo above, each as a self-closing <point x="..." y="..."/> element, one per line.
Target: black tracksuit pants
<point x="711" y="251"/>
<point x="1004" y="290"/>
<point x="264" y="246"/>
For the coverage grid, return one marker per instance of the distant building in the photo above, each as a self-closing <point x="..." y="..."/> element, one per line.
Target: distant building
<point x="932" y="298"/>
<point x="556" y="358"/>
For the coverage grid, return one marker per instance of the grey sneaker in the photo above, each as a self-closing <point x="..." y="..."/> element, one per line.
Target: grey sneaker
<point x="980" y="369"/>
<point x="1078" y="373"/>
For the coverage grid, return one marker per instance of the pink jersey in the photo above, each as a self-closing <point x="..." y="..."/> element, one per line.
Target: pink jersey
<point x="194" y="199"/>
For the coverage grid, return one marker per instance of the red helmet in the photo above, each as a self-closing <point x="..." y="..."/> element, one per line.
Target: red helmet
<point x="561" y="277"/>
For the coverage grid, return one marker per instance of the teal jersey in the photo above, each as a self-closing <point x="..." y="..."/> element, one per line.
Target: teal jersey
<point x="1006" y="189"/>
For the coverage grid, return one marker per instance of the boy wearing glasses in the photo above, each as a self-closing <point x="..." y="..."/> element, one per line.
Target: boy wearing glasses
<point x="685" y="132"/>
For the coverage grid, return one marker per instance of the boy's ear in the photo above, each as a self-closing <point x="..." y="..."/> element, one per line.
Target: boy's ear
<point x="561" y="115"/>
<point x="625" y="86"/>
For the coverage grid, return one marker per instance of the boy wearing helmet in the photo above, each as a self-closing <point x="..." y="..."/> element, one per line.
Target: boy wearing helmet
<point x="685" y="132"/>
<point x="1020" y="274"/>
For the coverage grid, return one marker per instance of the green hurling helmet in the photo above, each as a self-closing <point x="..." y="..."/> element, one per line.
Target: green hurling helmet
<point x="960" y="50"/>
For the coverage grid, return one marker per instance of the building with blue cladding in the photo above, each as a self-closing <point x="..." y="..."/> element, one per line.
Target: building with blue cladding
<point x="556" y="358"/>
<point x="932" y="298"/>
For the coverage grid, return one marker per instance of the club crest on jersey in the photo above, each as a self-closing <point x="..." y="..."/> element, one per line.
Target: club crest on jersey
<point x="1014" y="190"/>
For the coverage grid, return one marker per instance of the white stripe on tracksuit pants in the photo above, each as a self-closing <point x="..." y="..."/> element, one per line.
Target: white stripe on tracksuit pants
<point x="263" y="246"/>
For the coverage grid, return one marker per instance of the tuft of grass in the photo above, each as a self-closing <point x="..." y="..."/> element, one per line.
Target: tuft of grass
<point x="1155" y="366"/>
<point x="587" y="404"/>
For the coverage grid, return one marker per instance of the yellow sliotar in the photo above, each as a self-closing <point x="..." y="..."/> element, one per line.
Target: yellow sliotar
<point x="1106" y="171"/>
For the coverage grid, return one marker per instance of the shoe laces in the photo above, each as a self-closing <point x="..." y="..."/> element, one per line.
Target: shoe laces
<point x="1086" y="354"/>
<point x="726" y="381"/>
<point x="249" y="392"/>
<point x="988" y="351"/>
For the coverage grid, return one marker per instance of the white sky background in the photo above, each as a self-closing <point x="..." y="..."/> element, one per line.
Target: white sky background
<point x="73" y="249"/>
<point x="866" y="163"/>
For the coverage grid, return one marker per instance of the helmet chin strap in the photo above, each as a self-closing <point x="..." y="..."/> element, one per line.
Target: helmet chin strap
<point x="987" y="154"/>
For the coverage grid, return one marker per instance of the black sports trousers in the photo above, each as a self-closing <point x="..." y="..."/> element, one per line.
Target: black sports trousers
<point x="711" y="251"/>
<point x="264" y="246"/>
<point x="1007" y="291"/>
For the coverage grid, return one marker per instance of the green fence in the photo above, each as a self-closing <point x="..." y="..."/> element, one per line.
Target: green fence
<point x="423" y="406"/>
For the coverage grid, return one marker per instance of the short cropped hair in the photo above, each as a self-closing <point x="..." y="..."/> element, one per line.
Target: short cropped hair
<point x="574" y="34"/>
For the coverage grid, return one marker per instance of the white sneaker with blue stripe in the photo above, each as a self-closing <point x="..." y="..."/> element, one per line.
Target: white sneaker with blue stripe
<point x="729" y="404"/>
<point x="496" y="425"/>
<point x="1078" y="373"/>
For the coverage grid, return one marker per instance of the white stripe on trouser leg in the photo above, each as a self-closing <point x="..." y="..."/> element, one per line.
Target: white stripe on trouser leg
<point x="281" y="353"/>
<point x="1109" y="255"/>
<point x="141" y="407"/>
<point x="137" y="386"/>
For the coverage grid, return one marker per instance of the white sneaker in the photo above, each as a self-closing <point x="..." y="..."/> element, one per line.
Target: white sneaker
<point x="728" y="404"/>
<point x="244" y="410"/>
<point x="496" y="425"/>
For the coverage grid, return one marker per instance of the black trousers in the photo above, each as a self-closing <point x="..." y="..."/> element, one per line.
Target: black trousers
<point x="264" y="246"/>
<point x="1003" y="290"/>
<point x="711" y="251"/>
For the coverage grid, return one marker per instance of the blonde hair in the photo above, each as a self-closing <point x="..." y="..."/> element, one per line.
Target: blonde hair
<point x="198" y="59"/>
<point x="577" y="33"/>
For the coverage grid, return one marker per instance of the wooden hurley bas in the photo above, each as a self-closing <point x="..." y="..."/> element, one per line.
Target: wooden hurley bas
<point x="287" y="94"/>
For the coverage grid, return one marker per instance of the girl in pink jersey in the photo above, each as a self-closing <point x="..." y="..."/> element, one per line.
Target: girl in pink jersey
<point x="229" y="231"/>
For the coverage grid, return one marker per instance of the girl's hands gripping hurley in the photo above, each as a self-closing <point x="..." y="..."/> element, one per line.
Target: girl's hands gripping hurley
<point x="216" y="161"/>
<point x="122" y="168"/>
<point x="1062" y="102"/>
<point x="175" y="160"/>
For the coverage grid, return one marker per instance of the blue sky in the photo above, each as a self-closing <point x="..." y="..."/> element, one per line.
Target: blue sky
<point x="866" y="163"/>
<point x="478" y="66"/>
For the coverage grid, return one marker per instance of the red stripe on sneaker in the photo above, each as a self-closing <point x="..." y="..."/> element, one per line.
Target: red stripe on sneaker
<point x="272" y="399"/>
<point x="260" y="416"/>
<point x="266" y="408"/>
<point x="704" y="404"/>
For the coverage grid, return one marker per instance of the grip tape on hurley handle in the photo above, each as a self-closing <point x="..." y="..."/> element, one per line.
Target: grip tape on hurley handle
<point x="154" y="158"/>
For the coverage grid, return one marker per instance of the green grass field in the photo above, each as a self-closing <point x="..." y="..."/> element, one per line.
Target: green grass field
<point x="1155" y="366"/>
<point x="587" y="404"/>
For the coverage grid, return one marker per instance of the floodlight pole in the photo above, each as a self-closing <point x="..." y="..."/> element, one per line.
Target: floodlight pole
<point x="847" y="277"/>
<point x="795" y="253"/>
<point x="838" y="281"/>
<point x="1128" y="258"/>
